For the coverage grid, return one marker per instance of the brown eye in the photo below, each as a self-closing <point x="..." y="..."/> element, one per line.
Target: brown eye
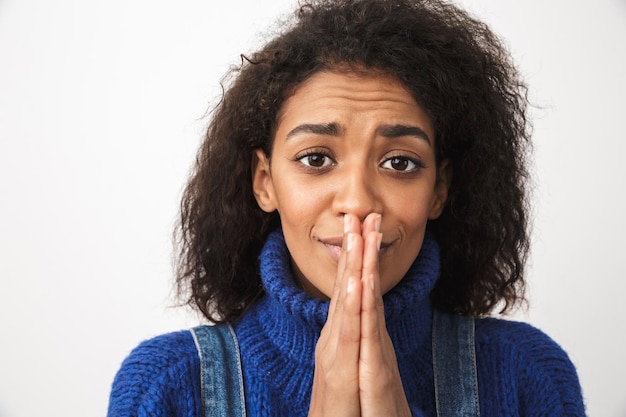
<point x="402" y="164"/>
<point x="399" y="164"/>
<point x="315" y="160"/>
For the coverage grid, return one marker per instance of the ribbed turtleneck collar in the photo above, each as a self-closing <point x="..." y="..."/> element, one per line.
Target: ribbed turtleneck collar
<point x="279" y="333"/>
<point x="287" y="307"/>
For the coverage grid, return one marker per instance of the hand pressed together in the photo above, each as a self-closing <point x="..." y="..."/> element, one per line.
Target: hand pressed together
<point x="356" y="372"/>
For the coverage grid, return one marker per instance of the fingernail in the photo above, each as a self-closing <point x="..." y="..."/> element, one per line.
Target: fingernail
<point x="350" y="241"/>
<point x="346" y="223"/>
<point x="377" y="222"/>
<point x="379" y="240"/>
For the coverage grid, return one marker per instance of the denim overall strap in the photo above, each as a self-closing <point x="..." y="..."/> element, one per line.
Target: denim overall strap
<point x="454" y="366"/>
<point x="221" y="376"/>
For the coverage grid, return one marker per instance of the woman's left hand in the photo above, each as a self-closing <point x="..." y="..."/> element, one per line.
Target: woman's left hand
<point x="380" y="385"/>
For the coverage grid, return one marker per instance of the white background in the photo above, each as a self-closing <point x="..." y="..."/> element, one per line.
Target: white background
<point x="102" y="107"/>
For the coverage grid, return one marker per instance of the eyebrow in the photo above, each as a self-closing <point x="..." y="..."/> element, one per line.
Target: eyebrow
<point x="333" y="129"/>
<point x="397" y="131"/>
<point x="327" y="129"/>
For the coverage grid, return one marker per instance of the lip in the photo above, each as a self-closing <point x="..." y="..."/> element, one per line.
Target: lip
<point x="334" y="247"/>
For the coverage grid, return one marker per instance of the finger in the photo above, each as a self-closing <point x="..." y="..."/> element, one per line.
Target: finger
<point x="371" y="224"/>
<point x="350" y="224"/>
<point x="371" y="275"/>
<point x="347" y="315"/>
<point x="372" y="310"/>
<point x="353" y="259"/>
<point x="334" y="298"/>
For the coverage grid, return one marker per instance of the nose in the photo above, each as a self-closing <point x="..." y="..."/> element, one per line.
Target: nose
<point x="357" y="194"/>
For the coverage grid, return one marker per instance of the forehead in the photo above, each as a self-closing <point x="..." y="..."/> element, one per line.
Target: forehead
<point x="334" y="96"/>
<point x="361" y="85"/>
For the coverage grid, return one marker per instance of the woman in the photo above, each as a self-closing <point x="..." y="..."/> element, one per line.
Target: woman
<point x="364" y="172"/>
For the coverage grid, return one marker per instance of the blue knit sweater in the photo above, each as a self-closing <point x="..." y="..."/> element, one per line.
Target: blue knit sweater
<point x="521" y="371"/>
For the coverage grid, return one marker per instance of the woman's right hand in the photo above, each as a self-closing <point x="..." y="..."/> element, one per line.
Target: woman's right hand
<point x="336" y="378"/>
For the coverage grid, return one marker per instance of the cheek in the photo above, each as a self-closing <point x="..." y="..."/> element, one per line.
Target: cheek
<point x="411" y="212"/>
<point x="298" y="203"/>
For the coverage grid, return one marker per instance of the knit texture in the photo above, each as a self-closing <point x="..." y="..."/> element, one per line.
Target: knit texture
<point x="521" y="371"/>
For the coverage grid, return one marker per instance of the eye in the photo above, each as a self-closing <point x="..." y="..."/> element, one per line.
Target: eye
<point x="402" y="164"/>
<point x="315" y="160"/>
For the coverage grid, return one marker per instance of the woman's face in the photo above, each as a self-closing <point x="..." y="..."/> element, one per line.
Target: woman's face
<point x="358" y="144"/>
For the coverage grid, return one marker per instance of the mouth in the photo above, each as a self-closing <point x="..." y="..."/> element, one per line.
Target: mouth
<point x="334" y="247"/>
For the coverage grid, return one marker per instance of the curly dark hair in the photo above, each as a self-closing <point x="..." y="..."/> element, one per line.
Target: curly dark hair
<point x="456" y="69"/>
